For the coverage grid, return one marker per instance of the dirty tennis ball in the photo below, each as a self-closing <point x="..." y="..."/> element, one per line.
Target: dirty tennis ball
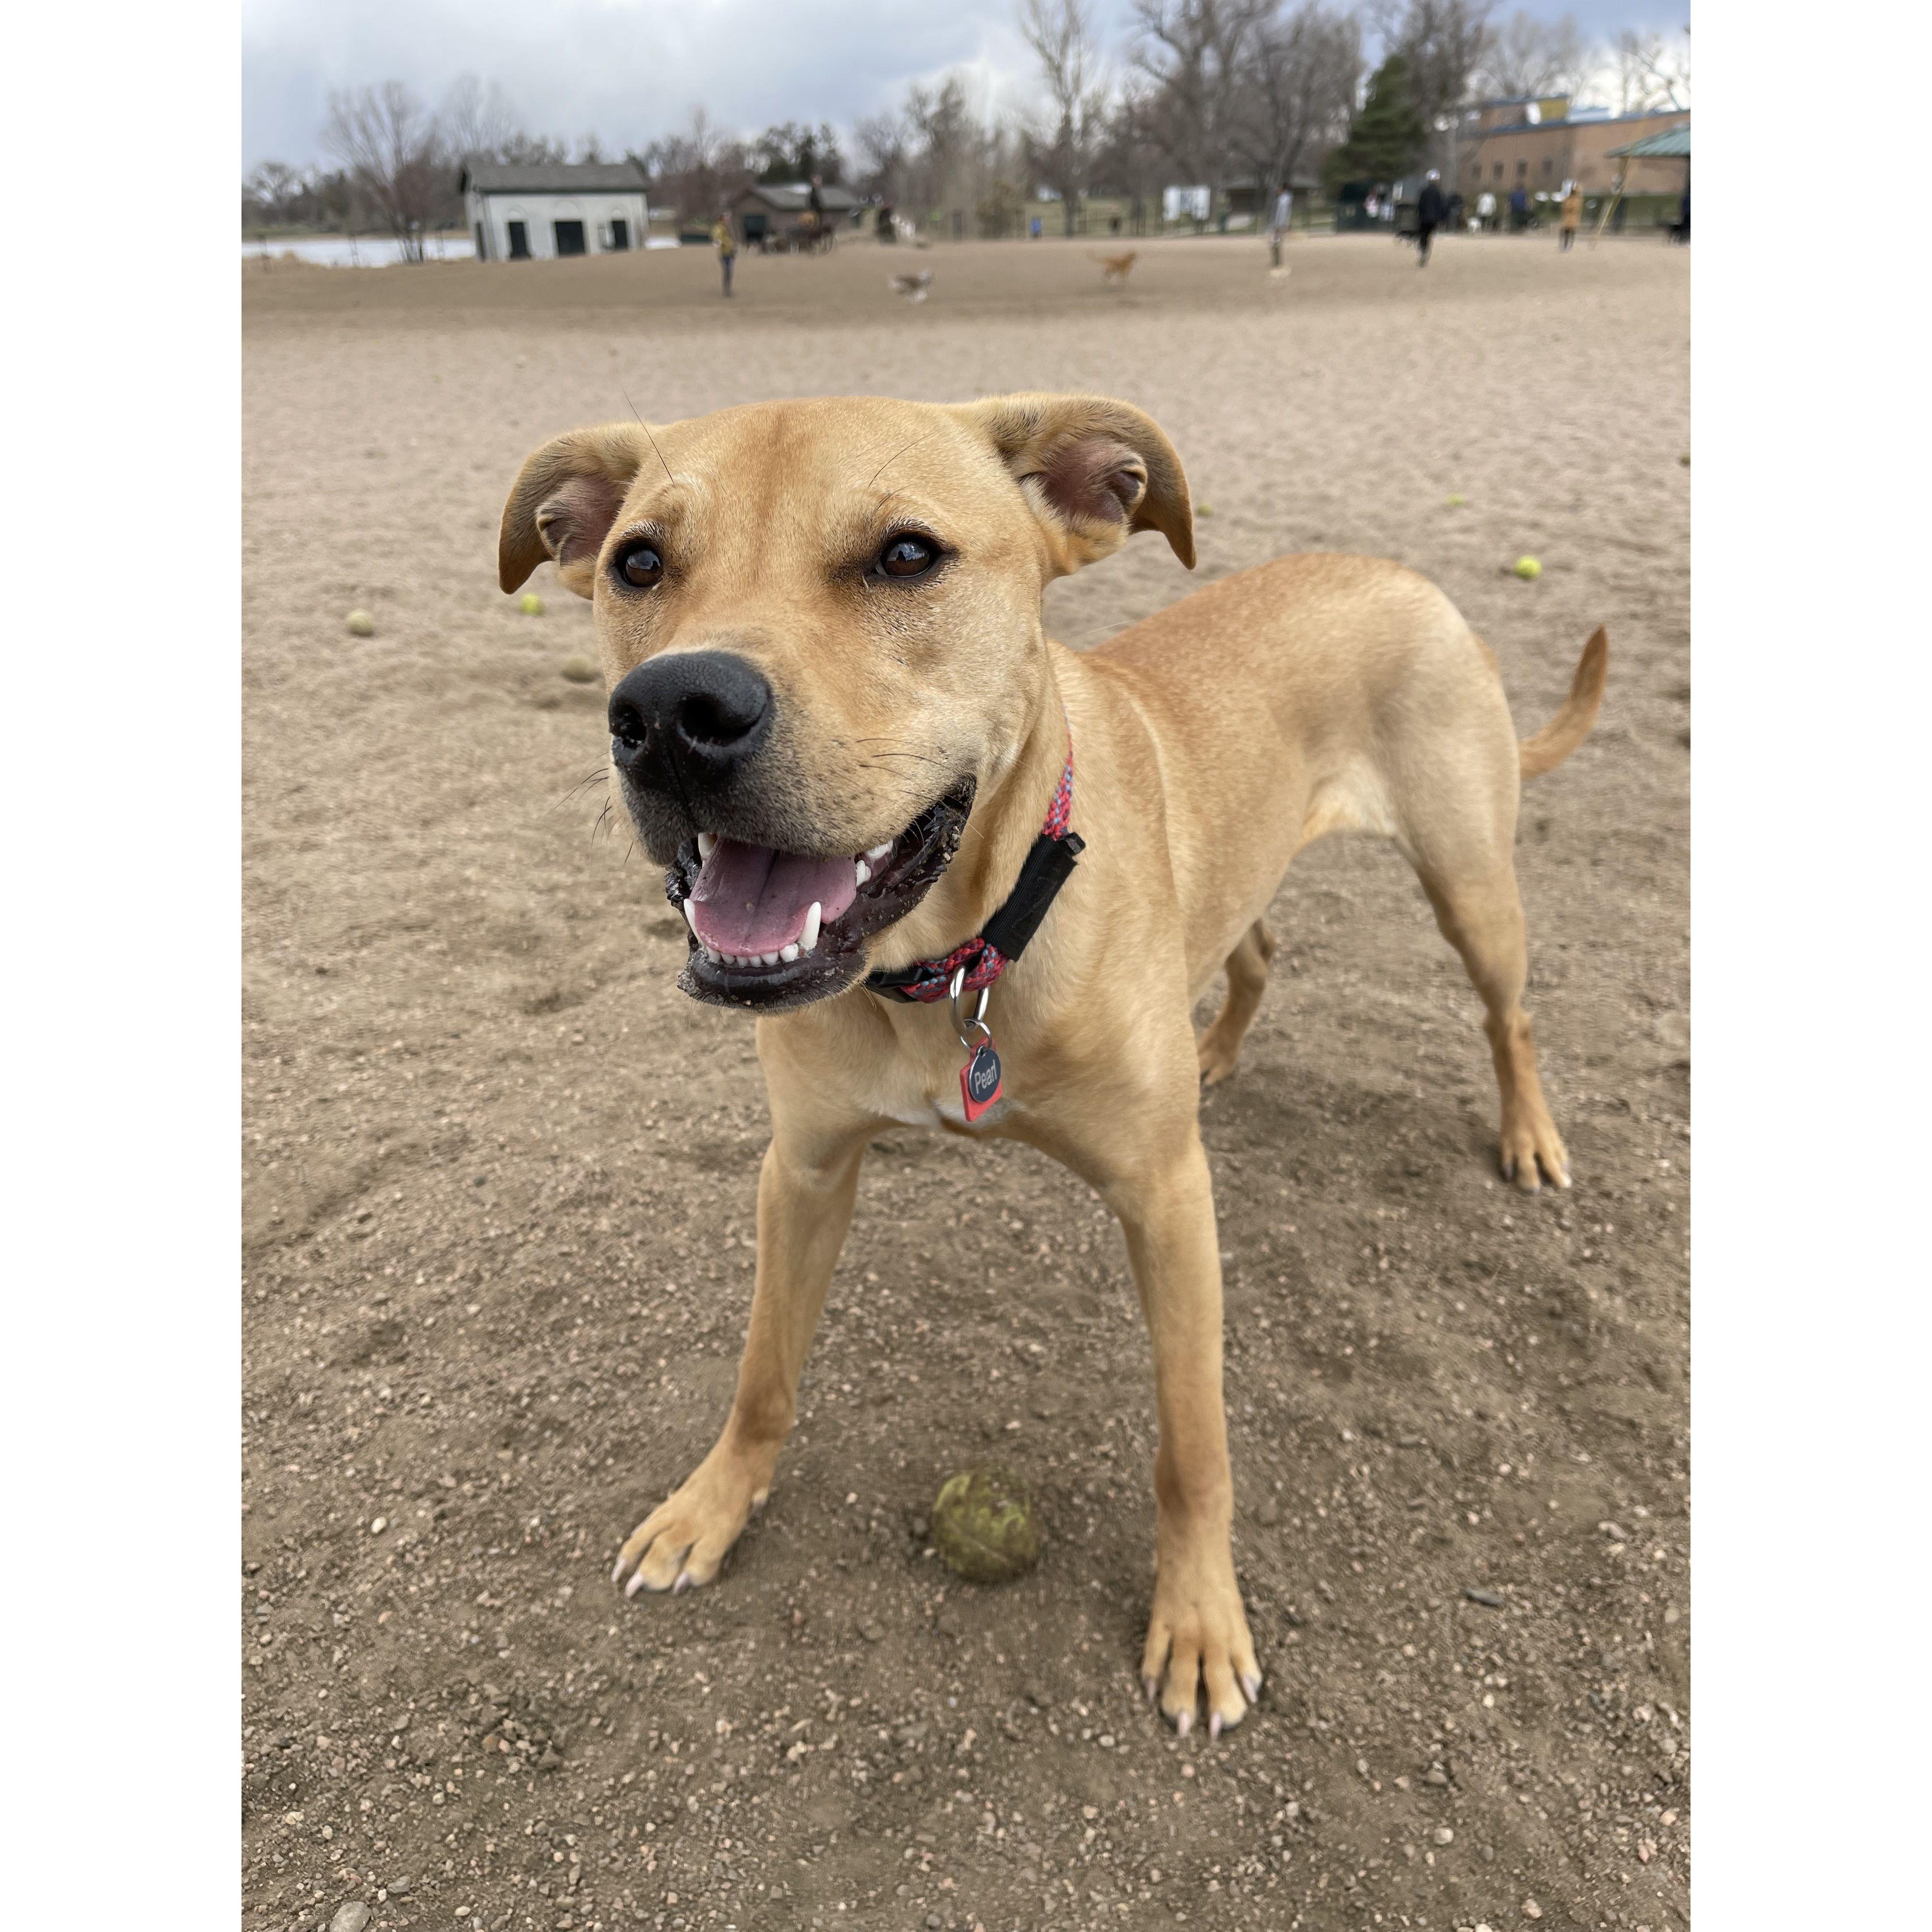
<point x="1204" y="509"/>
<point x="361" y="624"/>
<point x="1528" y="569"/>
<point x="531" y="605"/>
<point x="1685" y="459"/>
<point x="1457" y="503"/>
<point x="985" y="1525"/>
<point x="580" y="670"/>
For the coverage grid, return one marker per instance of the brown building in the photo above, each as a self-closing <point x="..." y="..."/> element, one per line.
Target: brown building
<point x="772" y="217"/>
<point x="1537" y="145"/>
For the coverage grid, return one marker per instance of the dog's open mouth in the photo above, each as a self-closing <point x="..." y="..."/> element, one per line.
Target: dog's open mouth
<point x="772" y="929"/>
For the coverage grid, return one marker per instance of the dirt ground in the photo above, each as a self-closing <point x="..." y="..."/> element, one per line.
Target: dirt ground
<point x="499" y="1176"/>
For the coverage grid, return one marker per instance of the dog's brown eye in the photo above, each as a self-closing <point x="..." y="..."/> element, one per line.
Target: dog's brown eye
<point x="639" y="565"/>
<point x="907" y="556"/>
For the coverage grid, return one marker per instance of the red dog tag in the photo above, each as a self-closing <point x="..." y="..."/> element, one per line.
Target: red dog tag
<point x="980" y="1079"/>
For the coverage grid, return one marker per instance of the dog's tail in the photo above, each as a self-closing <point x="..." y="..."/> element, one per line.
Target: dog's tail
<point x="1571" y="725"/>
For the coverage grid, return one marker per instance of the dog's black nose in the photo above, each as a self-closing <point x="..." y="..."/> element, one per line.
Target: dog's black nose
<point x="686" y="721"/>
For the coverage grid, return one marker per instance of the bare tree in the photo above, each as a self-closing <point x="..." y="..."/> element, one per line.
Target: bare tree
<point x="393" y="148"/>
<point x="1653" y="71"/>
<point x="1193" y="51"/>
<point x="478" y="123"/>
<point x="1128" y="162"/>
<point x="1527" y="57"/>
<point x="1445" y="42"/>
<point x="699" y="169"/>
<point x="1297" y="91"/>
<point x="884" y="146"/>
<point x="1060" y="33"/>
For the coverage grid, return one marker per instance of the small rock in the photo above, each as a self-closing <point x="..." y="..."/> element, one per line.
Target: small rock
<point x="350" y="1918"/>
<point x="1268" y="1513"/>
<point x="1530" y="1909"/>
<point x="872" y="1631"/>
<point x="399" y="1887"/>
<point x="1443" y="1835"/>
<point x="1490" y="1600"/>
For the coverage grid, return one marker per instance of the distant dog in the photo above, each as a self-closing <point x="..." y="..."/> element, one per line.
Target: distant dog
<point x="914" y="288"/>
<point x="1117" y="267"/>
<point x="837" y="720"/>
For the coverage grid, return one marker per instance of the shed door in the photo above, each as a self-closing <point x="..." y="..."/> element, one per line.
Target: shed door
<point x="620" y="233"/>
<point x="520" y="242"/>
<point x="569" y="237"/>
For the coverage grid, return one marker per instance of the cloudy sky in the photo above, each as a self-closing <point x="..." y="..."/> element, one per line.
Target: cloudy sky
<point x="628" y="71"/>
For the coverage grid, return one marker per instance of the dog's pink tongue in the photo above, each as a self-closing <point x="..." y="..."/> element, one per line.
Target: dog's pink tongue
<point x="749" y="898"/>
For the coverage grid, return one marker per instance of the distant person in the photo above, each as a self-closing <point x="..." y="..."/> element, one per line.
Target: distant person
<point x="1570" y="218"/>
<point x="1113" y="224"/>
<point x="1429" y="210"/>
<point x="883" y="226"/>
<point x="1519" y="207"/>
<point x="1486" y="211"/>
<point x="1284" y="208"/>
<point x="820" y="235"/>
<point x="1034" y="230"/>
<point x="727" y="245"/>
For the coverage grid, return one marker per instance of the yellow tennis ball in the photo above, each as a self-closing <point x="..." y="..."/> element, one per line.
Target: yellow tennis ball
<point x="361" y="624"/>
<point x="1528" y="569"/>
<point x="532" y="605"/>
<point x="985" y="1525"/>
<point x="1457" y="503"/>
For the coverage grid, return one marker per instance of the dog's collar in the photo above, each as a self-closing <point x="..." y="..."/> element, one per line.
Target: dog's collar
<point x="982" y="959"/>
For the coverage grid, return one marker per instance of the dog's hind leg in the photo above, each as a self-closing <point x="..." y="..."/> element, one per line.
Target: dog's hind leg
<point x="1482" y="918"/>
<point x="1247" y="970"/>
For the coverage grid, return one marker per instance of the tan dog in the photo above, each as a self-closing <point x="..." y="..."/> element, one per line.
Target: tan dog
<point x="837" y="720"/>
<point x="1117" y="267"/>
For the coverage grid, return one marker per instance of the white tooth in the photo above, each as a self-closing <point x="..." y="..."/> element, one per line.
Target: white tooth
<point x="768" y="958"/>
<point x="707" y="843"/>
<point x="787" y="953"/>
<point x="878" y="852"/>
<point x="864" y="871"/>
<point x="808" y="938"/>
<point x="690" y="917"/>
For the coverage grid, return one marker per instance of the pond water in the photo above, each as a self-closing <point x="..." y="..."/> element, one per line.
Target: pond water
<point x="361" y="251"/>
<point x="381" y="251"/>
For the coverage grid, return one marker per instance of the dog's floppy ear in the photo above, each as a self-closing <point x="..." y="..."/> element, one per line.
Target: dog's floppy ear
<point x="1094" y="471"/>
<point x="565" y="502"/>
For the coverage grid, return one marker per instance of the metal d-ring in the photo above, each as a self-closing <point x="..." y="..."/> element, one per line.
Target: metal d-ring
<point x="979" y="1019"/>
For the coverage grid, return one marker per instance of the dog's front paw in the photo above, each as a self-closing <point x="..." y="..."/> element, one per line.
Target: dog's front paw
<point x="1218" y="1058"/>
<point x="1198" y="1644"/>
<point x="682" y="1542"/>
<point x="1531" y="1142"/>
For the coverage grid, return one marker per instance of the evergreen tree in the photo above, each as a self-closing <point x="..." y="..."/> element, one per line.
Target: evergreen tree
<point x="1386" y="137"/>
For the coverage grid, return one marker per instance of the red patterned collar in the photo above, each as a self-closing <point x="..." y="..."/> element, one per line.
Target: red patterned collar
<point x="982" y="959"/>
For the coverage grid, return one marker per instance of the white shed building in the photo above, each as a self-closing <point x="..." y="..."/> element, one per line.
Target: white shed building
<point x="520" y="213"/>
